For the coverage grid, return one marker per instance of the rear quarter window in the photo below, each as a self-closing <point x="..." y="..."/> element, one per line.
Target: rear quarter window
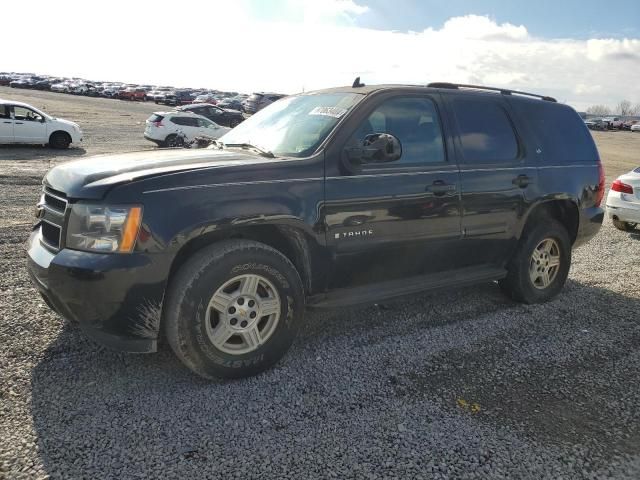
<point x="562" y="133"/>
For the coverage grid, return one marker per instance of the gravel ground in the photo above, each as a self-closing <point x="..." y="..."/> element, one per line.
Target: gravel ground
<point x="458" y="385"/>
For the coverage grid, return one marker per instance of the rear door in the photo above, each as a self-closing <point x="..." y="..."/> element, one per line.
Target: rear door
<point x="498" y="175"/>
<point x="28" y="126"/>
<point x="6" y="125"/>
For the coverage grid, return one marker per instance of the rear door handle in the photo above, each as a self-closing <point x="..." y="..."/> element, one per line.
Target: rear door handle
<point x="521" y="181"/>
<point x="6" y="122"/>
<point x="19" y="123"/>
<point x="439" y="188"/>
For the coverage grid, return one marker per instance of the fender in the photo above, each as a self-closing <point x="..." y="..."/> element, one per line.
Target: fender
<point x="548" y="201"/>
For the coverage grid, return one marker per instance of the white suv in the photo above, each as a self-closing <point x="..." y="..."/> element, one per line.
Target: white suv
<point x="166" y="129"/>
<point x="22" y="123"/>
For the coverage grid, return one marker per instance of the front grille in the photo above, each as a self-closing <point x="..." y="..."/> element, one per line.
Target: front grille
<point x="52" y="206"/>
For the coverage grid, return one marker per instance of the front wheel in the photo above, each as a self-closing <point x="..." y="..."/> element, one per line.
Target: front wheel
<point x="233" y="309"/>
<point x="624" y="226"/>
<point x="60" y="140"/>
<point x="539" y="268"/>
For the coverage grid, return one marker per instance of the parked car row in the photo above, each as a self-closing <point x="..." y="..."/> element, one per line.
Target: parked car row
<point x="166" y="95"/>
<point x="612" y="123"/>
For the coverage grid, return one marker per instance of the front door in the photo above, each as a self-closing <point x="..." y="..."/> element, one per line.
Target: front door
<point x="6" y="125"/>
<point x="395" y="220"/>
<point x="28" y="126"/>
<point x="498" y="174"/>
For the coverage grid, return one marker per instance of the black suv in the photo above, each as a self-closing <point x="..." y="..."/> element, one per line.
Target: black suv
<point x="226" y="118"/>
<point x="179" y="97"/>
<point x="330" y="198"/>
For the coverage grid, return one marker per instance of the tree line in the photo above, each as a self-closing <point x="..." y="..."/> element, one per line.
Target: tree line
<point x="625" y="109"/>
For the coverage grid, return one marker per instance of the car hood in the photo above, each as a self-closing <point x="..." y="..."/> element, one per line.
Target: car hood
<point x="66" y="123"/>
<point x="92" y="177"/>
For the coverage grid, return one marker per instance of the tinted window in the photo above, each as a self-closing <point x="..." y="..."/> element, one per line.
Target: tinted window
<point x="414" y="121"/>
<point x="186" y="121"/>
<point x="202" y="122"/>
<point x="486" y="132"/>
<point x="4" y="111"/>
<point x="564" y="136"/>
<point x="155" y="118"/>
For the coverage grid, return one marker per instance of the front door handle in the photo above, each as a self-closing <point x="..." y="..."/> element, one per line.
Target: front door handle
<point x="6" y="122"/>
<point x="521" y="181"/>
<point x="439" y="188"/>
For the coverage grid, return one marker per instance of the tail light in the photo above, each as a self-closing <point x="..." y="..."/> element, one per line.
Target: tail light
<point x="621" y="187"/>
<point x="600" y="192"/>
<point x="157" y="124"/>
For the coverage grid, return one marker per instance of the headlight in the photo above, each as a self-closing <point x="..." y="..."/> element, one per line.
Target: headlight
<point x="103" y="228"/>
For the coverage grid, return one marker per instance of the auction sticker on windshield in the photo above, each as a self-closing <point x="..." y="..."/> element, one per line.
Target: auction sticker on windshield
<point x="335" y="112"/>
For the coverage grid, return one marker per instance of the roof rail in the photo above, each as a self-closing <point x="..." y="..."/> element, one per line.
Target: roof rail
<point x="503" y="91"/>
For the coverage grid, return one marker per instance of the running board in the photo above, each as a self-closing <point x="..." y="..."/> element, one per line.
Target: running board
<point x="376" y="292"/>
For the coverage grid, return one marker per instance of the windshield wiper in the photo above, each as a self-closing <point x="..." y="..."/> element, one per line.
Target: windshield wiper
<point x="248" y="146"/>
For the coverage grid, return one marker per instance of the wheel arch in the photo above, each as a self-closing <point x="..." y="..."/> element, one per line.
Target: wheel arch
<point x="64" y="132"/>
<point x="565" y="211"/>
<point x="292" y="242"/>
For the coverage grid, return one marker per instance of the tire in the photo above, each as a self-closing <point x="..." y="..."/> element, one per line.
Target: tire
<point x="60" y="140"/>
<point x="624" y="226"/>
<point x="551" y="240"/>
<point x="234" y="122"/>
<point x="174" y="140"/>
<point x="193" y="327"/>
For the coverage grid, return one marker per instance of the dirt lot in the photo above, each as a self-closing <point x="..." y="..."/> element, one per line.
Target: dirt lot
<point x="456" y="385"/>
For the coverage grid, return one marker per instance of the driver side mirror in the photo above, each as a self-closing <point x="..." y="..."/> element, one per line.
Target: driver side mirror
<point x="376" y="148"/>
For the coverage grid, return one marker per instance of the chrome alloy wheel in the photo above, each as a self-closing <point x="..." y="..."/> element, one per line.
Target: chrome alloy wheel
<point x="242" y="314"/>
<point x="545" y="263"/>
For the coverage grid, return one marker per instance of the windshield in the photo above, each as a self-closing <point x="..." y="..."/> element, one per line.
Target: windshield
<point x="293" y="126"/>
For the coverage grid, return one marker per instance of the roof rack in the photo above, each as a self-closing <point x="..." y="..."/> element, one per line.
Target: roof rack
<point x="503" y="91"/>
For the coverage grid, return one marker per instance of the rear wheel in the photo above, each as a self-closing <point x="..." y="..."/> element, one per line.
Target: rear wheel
<point x="174" y="140"/>
<point x="60" y="140"/>
<point x="539" y="268"/>
<point x="624" y="226"/>
<point x="233" y="309"/>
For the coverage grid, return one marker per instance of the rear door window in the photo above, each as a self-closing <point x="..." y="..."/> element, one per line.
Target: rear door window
<point x="485" y="131"/>
<point x="563" y="134"/>
<point x="185" y="121"/>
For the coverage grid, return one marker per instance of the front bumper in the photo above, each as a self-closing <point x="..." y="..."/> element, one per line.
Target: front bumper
<point x="115" y="298"/>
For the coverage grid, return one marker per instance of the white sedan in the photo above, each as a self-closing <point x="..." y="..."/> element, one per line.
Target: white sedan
<point x="623" y="202"/>
<point x="635" y="127"/>
<point x="22" y="123"/>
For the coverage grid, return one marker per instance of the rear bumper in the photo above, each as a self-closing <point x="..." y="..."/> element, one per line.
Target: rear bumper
<point x="589" y="225"/>
<point x="631" y="215"/>
<point x="116" y="299"/>
<point x="623" y="206"/>
<point x="154" y="140"/>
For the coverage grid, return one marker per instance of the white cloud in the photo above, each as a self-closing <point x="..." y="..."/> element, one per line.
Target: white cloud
<point x="315" y="45"/>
